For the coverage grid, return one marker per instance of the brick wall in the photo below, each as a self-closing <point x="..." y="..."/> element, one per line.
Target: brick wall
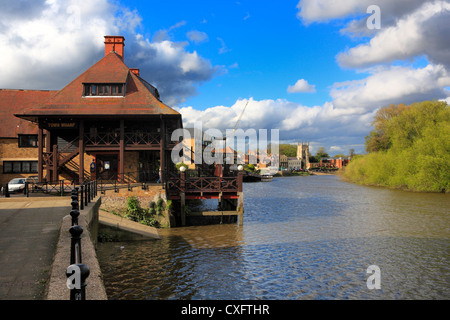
<point x="10" y="151"/>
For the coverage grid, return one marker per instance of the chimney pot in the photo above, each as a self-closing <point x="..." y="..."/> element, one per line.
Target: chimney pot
<point x="116" y="44"/>
<point x="135" y="71"/>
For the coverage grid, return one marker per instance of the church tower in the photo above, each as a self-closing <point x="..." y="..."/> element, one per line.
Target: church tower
<point x="303" y="154"/>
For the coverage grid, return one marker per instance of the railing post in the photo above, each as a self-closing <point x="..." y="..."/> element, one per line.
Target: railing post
<point x="75" y="212"/>
<point x="7" y="195"/>
<point x="77" y="273"/>
<point x="85" y="194"/>
<point x="75" y="244"/>
<point x="81" y="197"/>
<point x="240" y="180"/>
<point x="183" y="182"/>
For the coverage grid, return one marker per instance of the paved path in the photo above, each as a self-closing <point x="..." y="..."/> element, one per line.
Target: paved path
<point x="29" y="229"/>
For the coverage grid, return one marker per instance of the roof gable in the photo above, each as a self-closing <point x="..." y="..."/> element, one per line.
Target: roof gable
<point x="15" y="101"/>
<point x="138" y="100"/>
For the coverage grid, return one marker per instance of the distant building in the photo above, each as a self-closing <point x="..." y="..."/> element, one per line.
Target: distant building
<point x="283" y="161"/>
<point x="303" y="155"/>
<point x="294" y="163"/>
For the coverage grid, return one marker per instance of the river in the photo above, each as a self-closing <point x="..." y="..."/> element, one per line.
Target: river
<point x="310" y="237"/>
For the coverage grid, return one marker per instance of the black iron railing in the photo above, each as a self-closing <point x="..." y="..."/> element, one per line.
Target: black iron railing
<point x="77" y="272"/>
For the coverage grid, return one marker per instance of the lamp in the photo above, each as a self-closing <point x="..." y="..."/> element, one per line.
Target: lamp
<point x="240" y="167"/>
<point x="182" y="168"/>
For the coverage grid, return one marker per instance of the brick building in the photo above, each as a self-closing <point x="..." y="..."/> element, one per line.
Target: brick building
<point x="107" y="123"/>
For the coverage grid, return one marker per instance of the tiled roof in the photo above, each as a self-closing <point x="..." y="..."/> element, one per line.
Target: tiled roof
<point x="138" y="100"/>
<point x="15" y="101"/>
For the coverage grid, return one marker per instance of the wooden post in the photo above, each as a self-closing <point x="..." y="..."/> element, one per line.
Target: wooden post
<point x="183" y="205"/>
<point x="81" y="151"/>
<point x="183" y="198"/>
<point x="162" y="153"/>
<point x="55" y="163"/>
<point x="48" y="145"/>
<point x="240" y="208"/>
<point x="122" y="151"/>
<point x="40" y="154"/>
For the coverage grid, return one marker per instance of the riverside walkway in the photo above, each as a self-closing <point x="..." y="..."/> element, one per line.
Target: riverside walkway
<point x="29" y="229"/>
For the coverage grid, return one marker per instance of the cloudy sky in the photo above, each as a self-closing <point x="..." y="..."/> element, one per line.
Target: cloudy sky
<point x="317" y="70"/>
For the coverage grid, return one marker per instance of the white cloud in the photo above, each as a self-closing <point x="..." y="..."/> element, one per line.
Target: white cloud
<point x="197" y="36"/>
<point x="321" y="125"/>
<point x="46" y="44"/>
<point x="424" y="31"/>
<point x="53" y="42"/>
<point x="301" y="86"/>
<point x="223" y="49"/>
<point x="326" y="10"/>
<point x="392" y="85"/>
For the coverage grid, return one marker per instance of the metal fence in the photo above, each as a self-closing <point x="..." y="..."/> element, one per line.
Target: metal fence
<point x="77" y="272"/>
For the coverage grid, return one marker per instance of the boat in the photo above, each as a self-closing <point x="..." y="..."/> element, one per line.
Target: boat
<point x="266" y="178"/>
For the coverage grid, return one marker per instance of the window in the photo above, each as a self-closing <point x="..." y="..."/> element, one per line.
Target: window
<point x="28" y="140"/>
<point x="20" y="166"/>
<point x="115" y="89"/>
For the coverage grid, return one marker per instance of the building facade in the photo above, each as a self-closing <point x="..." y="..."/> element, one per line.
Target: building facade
<point x="108" y="123"/>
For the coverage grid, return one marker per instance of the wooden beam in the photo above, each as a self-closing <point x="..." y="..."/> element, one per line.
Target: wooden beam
<point x="213" y="213"/>
<point x="40" y="154"/>
<point x="122" y="151"/>
<point x="81" y="151"/>
<point x="162" y="152"/>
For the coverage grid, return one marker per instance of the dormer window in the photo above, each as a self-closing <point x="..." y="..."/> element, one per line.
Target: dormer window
<point x="104" y="90"/>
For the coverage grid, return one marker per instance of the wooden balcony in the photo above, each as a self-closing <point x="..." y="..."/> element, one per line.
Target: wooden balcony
<point x="203" y="187"/>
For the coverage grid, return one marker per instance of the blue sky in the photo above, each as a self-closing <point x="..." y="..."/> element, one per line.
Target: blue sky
<point x="264" y="48"/>
<point x="309" y="68"/>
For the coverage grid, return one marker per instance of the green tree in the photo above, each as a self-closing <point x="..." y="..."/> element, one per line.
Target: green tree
<point x="409" y="148"/>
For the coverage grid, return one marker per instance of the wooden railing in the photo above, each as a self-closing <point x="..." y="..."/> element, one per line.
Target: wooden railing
<point x="177" y="183"/>
<point x="102" y="139"/>
<point x="144" y="138"/>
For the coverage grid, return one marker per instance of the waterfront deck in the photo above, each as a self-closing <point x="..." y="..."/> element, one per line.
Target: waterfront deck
<point x="227" y="190"/>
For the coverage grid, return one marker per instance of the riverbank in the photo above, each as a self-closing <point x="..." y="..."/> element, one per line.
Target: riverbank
<point x="347" y="178"/>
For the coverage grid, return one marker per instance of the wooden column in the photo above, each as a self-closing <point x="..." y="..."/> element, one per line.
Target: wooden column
<point x="55" y="163"/>
<point x="122" y="151"/>
<point x="81" y="151"/>
<point x="183" y="198"/>
<point x="162" y="152"/>
<point x="40" y="154"/>
<point x="48" y="149"/>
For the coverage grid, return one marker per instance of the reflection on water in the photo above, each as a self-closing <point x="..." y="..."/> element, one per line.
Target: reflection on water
<point x="302" y="238"/>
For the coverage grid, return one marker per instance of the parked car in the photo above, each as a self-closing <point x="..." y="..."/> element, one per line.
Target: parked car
<point x="16" y="185"/>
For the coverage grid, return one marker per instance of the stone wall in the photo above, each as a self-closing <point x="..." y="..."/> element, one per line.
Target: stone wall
<point x="117" y="201"/>
<point x="57" y="289"/>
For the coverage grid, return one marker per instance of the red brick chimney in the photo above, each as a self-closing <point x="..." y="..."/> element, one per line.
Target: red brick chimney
<point x="135" y="71"/>
<point x="116" y="44"/>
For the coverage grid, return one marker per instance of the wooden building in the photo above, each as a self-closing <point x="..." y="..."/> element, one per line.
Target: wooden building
<point x="108" y="123"/>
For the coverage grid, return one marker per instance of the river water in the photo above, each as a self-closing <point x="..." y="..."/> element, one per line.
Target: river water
<point x="308" y="237"/>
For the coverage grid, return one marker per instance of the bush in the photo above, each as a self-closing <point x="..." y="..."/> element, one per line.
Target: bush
<point x="418" y="156"/>
<point x="138" y="214"/>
